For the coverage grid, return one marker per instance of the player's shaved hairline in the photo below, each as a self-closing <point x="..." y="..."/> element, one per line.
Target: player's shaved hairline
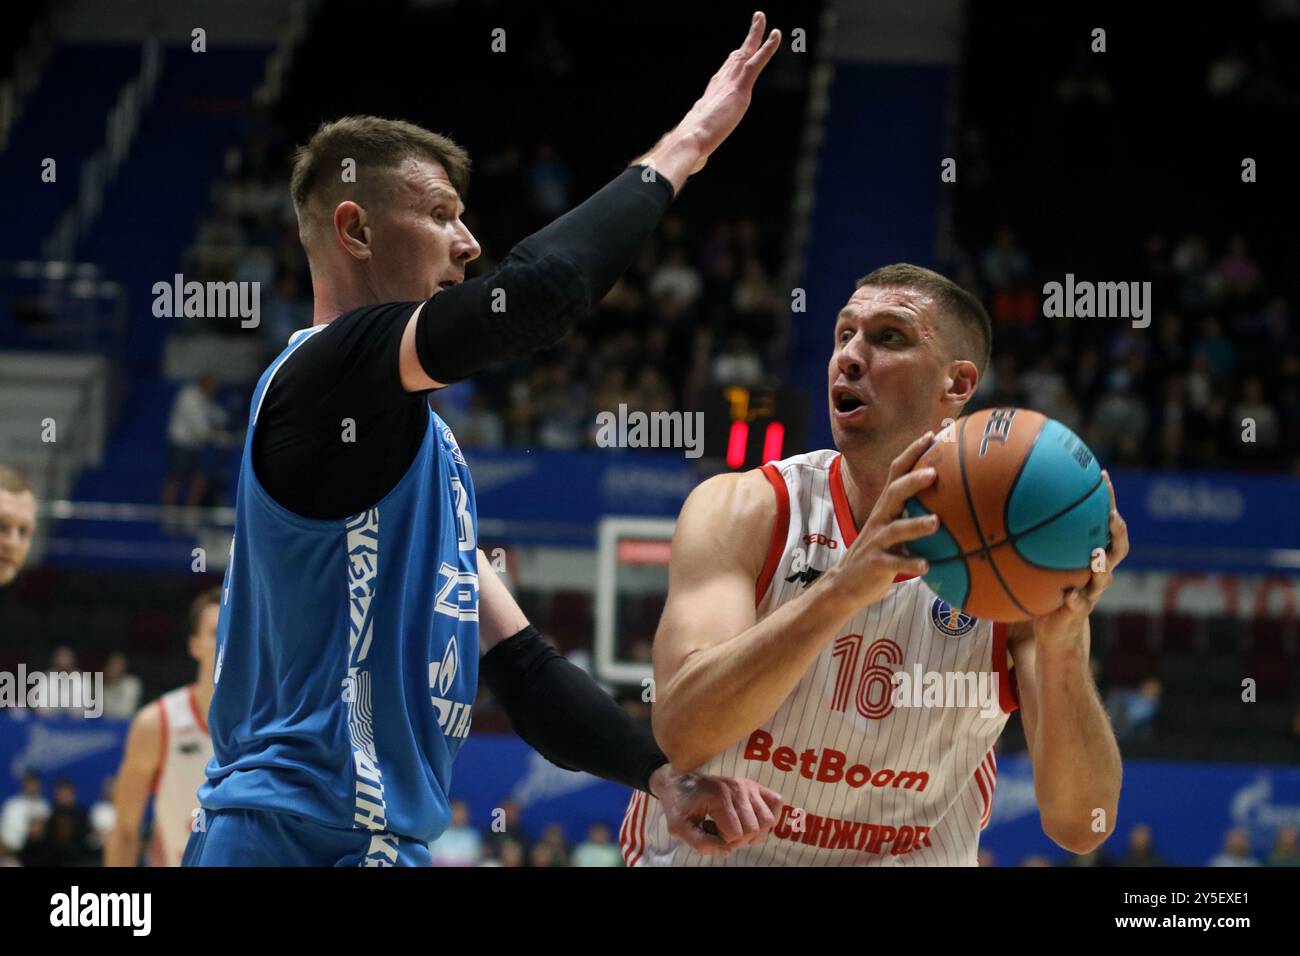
<point x="968" y="321"/>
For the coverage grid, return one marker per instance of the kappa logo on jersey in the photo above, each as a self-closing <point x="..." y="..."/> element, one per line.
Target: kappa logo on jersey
<point x="951" y="620"/>
<point x="453" y="716"/>
<point x="455" y="446"/>
<point x="808" y="575"/>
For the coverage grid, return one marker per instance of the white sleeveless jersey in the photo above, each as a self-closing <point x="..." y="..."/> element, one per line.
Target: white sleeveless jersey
<point x="186" y="750"/>
<point x="876" y="770"/>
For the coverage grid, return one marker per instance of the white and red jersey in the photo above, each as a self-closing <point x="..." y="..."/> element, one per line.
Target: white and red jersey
<point x="186" y="750"/>
<point x="867" y="782"/>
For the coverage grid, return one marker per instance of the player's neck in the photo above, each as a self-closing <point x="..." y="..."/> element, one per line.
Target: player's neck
<point x="332" y="297"/>
<point x="863" y="483"/>
<point x="325" y="312"/>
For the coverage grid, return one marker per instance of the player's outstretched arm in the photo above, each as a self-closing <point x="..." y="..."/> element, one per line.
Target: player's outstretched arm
<point x="720" y="673"/>
<point x="569" y="719"/>
<point x="553" y="278"/>
<point x="140" y="762"/>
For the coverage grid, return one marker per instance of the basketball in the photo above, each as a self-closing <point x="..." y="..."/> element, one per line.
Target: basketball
<point x="1022" y="505"/>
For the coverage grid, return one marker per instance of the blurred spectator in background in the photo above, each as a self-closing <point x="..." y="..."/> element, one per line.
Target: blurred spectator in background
<point x="1236" y="850"/>
<point x="738" y="363"/>
<point x="986" y="858"/>
<point x="1035" y="860"/>
<point x="17" y="523"/>
<point x="1132" y="709"/>
<point x="78" y="685"/>
<point x="1237" y="274"/>
<point x="1005" y="261"/>
<point x="1141" y="848"/>
<point x="460" y="844"/>
<point x="103" y="816"/>
<point x="597" y="849"/>
<point x="550" y="182"/>
<point x="554" y="839"/>
<point x="18" y="812"/>
<point x="543" y="855"/>
<point x="65" y="840"/>
<point x="481" y="427"/>
<point x="1255" y="409"/>
<point x="1286" y="848"/>
<point x="511" y="830"/>
<point x="197" y="423"/>
<point x="509" y="853"/>
<point x="676" y="280"/>
<point x="1227" y="73"/>
<point x="37" y="849"/>
<point x="121" y="690"/>
<point x="287" y="311"/>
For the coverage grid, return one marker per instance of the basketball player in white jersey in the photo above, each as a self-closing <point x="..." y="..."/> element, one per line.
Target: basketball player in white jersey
<point x="792" y="604"/>
<point x="167" y="748"/>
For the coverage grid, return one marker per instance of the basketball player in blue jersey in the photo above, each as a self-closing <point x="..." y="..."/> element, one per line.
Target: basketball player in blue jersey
<point x="356" y="603"/>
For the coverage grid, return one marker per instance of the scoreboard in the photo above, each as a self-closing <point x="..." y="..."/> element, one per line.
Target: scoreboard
<point x="747" y="426"/>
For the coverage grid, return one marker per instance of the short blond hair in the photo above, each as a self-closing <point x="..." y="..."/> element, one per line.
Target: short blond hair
<point x="12" y="481"/>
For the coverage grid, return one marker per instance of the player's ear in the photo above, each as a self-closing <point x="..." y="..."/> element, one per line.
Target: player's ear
<point x="352" y="229"/>
<point x="962" y="380"/>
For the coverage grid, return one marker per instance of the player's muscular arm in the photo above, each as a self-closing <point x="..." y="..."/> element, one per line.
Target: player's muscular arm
<point x="499" y="616"/>
<point x="140" y="762"/>
<point x="1076" y="760"/>
<point x="719" y="673"/>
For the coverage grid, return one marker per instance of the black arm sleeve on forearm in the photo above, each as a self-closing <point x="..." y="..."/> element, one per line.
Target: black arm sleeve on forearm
<point x="545" y="285"/>
<point x="564" y="715"/>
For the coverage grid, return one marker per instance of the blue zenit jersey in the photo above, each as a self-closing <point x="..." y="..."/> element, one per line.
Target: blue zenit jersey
<point x="347" y="650"/>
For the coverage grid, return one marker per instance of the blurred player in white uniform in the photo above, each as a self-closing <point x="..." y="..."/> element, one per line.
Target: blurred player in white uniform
<point x="792" y="607"/>
<point x="166" y="750"/>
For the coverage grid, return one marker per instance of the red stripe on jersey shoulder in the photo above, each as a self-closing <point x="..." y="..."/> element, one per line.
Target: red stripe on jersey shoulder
<point x="776" y="547"/>
<point x="843" y="513"/>
<point x="1008" y="694"/>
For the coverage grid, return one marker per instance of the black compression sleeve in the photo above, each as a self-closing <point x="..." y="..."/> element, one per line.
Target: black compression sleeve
<point x="545" y="285"/>
<point x="601" y="236"/>
<point x="565" y="716"/>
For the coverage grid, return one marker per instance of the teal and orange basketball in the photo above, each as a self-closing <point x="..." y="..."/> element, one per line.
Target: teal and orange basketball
<point x="1022" y="505"/>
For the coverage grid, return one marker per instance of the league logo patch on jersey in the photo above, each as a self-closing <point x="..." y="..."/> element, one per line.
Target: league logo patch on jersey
<point x="451" y="440"/>
<point x="950" y="620"/>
